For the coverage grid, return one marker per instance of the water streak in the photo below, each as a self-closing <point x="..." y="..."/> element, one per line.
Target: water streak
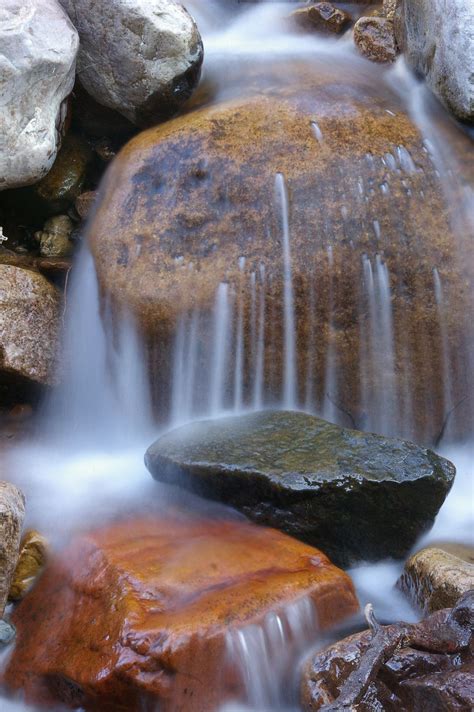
<point x="289" y="373"/>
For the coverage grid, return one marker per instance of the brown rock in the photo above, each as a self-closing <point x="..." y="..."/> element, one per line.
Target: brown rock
<point x="12" y="514"/>
<point x="84" y="203"/>
<point x="184" y="201"/>
<point x="400" y="667"/>
<point x="451" y="691"/>
<point x="65" y="180"/>
<point x="436" y="577"/>
<point x="54" y="237"/>
<point x="375" y="38"/>
<point x="137" y="614"/>
<point x="29" y="325"/>
<point x="323" y="17"/>
<point x="32" y="558"/>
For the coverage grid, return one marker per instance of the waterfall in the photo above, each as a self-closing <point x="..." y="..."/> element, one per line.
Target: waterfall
<point x="260" y="351"/>
<point x="443" y="335"/>
<point x="289" y="373"/>
<point x="377" y="363"/>
<point x="263" y="653"/>
<point x="105" y="395"/>
<point x="239" y="353"/>
<point x="222" y="332"/>
<point x="330" y="369"/>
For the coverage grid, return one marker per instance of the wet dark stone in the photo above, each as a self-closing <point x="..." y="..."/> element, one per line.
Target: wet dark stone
<point x="357" y="496"/>
<point x="400" y="667"/>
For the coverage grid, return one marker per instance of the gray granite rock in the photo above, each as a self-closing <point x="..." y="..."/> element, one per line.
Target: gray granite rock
<point x="12" y="514"/>
<point x="142" y="59"/>
<point x="437" y="38"/>
<point x="38" y="47"/>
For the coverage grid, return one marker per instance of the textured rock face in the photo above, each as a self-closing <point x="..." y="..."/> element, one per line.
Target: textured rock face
<point x="148" y="604"/>
<point x="437" y="577"/>
<point x="12" y="514"/>
<point x="184" y="203"/>
<point x="147" y="61"/>
<point x="31" y="560"/>
<point x="437" y="38"/>
<point x="37" y="66"/>
<point x="375" y="38"/>
<point x="400" y="667"/>
<point x="64" y="182"/>
<point x="354" y="495"/>
<point x="323" y="17"/>
<point x="29" y="325"/>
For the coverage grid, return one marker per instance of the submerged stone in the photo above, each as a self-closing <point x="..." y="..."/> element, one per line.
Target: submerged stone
<point x="137" y="614"/>
<point x="357" y="496"/>
<point x="7" y="633"/>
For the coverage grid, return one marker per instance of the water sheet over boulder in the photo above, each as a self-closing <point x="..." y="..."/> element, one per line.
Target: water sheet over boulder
<point x="140" y="613"/>
<point x="355" y="495"/>
<point x="291" y="244"/>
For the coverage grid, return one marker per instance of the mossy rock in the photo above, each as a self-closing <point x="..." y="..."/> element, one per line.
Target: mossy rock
<point x="357" y="496"/>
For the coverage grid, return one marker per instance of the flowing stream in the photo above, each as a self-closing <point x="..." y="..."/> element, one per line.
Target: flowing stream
<point x="92" y="434"/>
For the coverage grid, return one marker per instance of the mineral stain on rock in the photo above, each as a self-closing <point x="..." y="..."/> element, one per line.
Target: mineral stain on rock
<point x="137" y="614"/>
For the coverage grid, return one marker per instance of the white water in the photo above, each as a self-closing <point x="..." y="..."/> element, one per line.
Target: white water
<point x="96" y="429"/>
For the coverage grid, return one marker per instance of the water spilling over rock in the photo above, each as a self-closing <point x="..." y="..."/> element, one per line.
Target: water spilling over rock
<point x="279" y="248"/>
<point x="154" y="606"/>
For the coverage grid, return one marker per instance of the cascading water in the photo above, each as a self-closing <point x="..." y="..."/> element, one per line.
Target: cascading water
<point x="94" y="431"/>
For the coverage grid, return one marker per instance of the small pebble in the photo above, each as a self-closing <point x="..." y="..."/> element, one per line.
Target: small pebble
<point x="7" y="632"/>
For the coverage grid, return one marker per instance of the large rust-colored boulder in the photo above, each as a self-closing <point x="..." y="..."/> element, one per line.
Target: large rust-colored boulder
<point x="138" y="613"/>
<point x="196" y="202"/>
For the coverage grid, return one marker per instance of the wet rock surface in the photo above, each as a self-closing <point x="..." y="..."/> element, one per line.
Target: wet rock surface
<point x="29" y="325"/>
<point x="185" y="201"/>
<point x="12" y="514"/>
<point x="54" y="238"/>
<point x="323" y="17"/>
<point x="410" y="668"/>
<point x="437" y="39"/>
<point x="37" y="66"/>
<point x="437" y="577"/>
<point x="148" y="604"/>
<point x="66" y="179"/>
<point x="146" y="64"/>
<point x="31" y="561"/>
<point x="375" y="38"/>
<point x="355" y="495"/>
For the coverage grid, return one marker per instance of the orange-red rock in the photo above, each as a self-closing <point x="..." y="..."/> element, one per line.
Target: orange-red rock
<point x="138" y="613"/>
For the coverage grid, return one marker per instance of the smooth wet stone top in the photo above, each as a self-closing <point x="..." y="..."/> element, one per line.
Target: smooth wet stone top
<point x="357" y="496"/>
<point x="295" y="451"/>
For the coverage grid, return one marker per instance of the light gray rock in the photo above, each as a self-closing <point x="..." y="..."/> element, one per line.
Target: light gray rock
<point x="29" y="325"/>
<point x="12" y="514"/>
<point x="142" y="59"/>
<point x="38" y="48"/>
<point x="438" y="40"/>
